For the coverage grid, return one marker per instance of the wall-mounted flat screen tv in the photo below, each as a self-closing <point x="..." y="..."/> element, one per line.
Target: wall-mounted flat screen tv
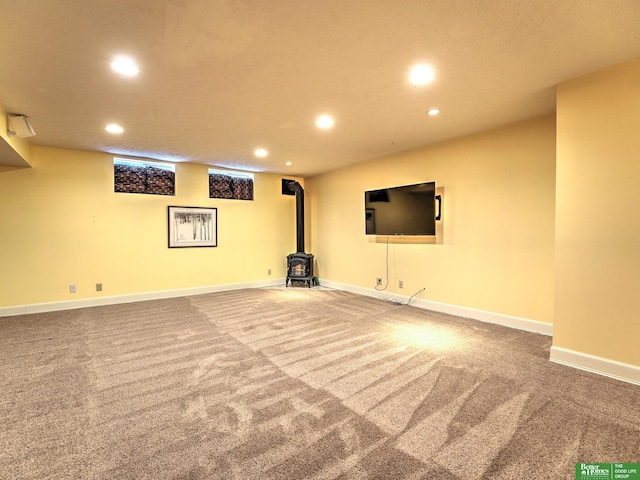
<point x="404" y="210"/>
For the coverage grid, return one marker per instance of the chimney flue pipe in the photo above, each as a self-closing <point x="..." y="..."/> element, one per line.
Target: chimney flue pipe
<point x="299" y="191"/>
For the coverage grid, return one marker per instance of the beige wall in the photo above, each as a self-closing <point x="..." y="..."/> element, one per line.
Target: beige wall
<point x="498" y="225"/>
<point x="62" y="223"/>
<point x="598" y="214"/>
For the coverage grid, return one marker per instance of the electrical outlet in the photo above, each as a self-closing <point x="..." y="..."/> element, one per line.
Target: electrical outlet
<point x="98" y="287"/>
<point x="72" y="288"/>
<point x="400" y="284"/>
<point x="378" y="281"/>
<point x="269" y="272"/>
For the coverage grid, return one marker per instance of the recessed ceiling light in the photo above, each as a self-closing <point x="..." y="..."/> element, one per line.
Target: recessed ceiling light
<point x="324" y="121"/>
<point x="288" y="164"/>
<point x="125" y="66"/>
<point x="114" y="128"/>
<point x="433" y="111"/>
<point x="261" y="152"/>
<point x="421" y="74"/>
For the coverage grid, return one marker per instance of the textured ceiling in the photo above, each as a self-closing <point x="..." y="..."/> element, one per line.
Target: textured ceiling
<point x="220" y="78"/>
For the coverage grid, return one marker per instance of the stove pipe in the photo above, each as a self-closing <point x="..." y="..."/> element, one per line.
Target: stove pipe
<point x="298" y="190"/>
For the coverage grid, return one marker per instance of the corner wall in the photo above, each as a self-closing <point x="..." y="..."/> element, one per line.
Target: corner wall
<point x="597" y="215"/>
<point x="495" y="253"/>
<point x="62" y="223"/>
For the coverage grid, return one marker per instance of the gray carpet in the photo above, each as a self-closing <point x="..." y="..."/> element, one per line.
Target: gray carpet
<point x="296" y="384"/>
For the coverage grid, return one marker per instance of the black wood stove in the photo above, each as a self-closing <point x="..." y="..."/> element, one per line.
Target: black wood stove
<point x="299" y="264"/>
<point x="300" y="268"/>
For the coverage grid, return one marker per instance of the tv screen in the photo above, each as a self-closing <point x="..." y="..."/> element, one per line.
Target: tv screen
<point x="405" y="210"/>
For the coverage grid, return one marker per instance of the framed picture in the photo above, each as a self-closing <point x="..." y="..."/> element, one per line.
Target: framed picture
<point x="193" y="227"/>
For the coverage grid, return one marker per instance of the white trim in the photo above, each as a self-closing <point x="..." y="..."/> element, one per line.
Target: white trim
<point x="11" y="311"/>
<point x="601" y="366"/>
<point x="135" y="297"/>
<point x="231" y="173"/>
<point x="483" y="316"/>
<point x="169" y="167"/>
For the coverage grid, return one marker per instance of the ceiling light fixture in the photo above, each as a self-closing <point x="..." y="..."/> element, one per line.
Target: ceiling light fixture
<point x="421" y="74"/>
<point x="125" y="66"/>
<point x="433" y="111"/>
<point x="288" y="164"/>
<point x="261" y="152"/>
<point x="114" y="128"/>
<point x="324" y="121"/>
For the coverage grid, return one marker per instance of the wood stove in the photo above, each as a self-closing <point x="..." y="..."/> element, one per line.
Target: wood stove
<point x="299" y="264"/>
<point x="300" y="268"/>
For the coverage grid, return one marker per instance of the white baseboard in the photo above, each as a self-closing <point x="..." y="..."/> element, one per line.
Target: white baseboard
<point x="134" y="297"/>
<point x="489" y="317"/>
<point x="593" y="364"/>
<point x="11" y="311"/>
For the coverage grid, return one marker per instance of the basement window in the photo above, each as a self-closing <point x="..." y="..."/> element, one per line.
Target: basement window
<point x="141" y="176"/>
<point x="231" y="185"/>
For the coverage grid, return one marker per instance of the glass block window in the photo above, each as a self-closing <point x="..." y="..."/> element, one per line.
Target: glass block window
<point x="139" y="176"/>
<point x="233" y="185"/>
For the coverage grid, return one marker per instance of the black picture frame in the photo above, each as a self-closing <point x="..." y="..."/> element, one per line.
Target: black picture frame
<point x="192" y="227"/>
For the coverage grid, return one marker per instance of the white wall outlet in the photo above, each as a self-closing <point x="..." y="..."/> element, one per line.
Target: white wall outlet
<point x="72" y="288"/>
<point x="98" y="287"/>
<point x="269" y="272"/>
<point x="400" y="284"/>
<point x="378" y="281"/>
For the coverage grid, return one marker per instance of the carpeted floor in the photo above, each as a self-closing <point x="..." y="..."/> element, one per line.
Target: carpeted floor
<point x="296" y="384"/>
